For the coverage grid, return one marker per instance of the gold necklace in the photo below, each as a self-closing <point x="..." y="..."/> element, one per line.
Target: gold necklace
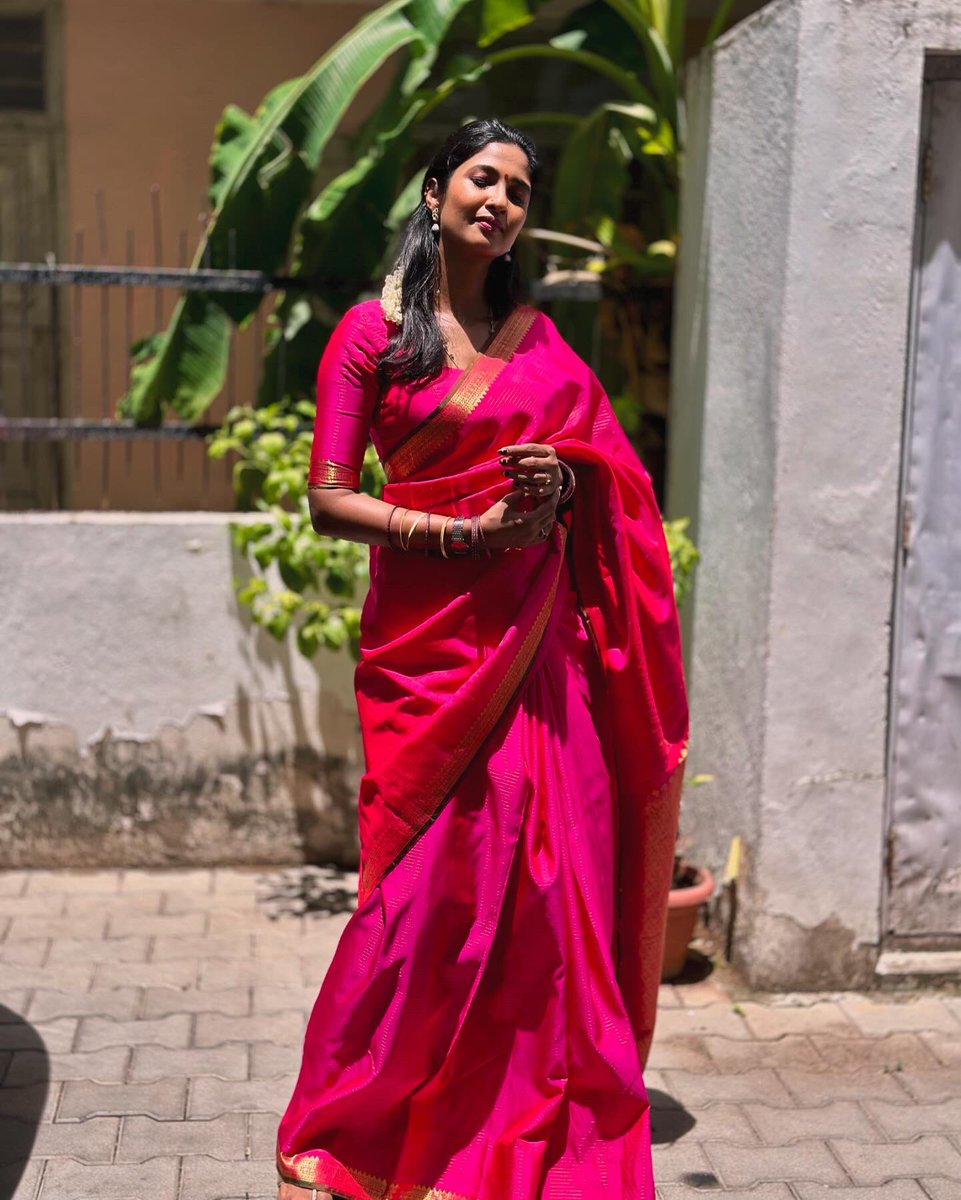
<point x="491" y="328"/>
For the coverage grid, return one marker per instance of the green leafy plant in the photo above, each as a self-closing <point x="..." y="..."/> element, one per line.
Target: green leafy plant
<point x="320" y="578"/>
<point x="684" y="555"/>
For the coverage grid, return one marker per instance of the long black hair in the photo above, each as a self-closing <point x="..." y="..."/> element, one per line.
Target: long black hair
<point x="416" y="352"/>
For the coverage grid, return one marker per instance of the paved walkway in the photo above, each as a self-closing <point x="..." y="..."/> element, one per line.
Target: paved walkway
<point x="153" y="1024"/>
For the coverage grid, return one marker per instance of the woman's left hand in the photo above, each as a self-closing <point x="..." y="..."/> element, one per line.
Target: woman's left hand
<point x="533" y="467"/>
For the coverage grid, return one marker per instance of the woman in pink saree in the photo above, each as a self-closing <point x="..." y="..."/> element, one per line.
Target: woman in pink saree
<point x="482" y="1030"/>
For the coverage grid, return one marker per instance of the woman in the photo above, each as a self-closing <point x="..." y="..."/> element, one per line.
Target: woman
<point x="481" y="1032"/>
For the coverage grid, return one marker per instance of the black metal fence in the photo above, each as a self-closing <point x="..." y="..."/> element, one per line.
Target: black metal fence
<point x="66" y="332"/>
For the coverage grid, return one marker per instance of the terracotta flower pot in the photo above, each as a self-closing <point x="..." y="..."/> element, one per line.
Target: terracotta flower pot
<point x="682" y="906"/>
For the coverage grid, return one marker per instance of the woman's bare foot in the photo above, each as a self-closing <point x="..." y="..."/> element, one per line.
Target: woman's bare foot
<point x="293" y="1191"/>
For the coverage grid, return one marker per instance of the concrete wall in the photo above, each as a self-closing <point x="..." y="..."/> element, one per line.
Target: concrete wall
<point x="788" y="404"/>
<point x="144" y="721"/>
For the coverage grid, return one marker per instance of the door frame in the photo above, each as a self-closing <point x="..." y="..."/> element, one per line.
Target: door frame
<point x="937" y="67"/>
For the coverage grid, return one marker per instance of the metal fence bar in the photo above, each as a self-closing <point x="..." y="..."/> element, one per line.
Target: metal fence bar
<point x="201" y="279"/>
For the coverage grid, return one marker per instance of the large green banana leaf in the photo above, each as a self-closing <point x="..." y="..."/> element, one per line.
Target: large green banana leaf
<point x="262" y="172"/>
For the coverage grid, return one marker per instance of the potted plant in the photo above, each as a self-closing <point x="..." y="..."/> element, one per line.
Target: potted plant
<point x="691" y="886"/>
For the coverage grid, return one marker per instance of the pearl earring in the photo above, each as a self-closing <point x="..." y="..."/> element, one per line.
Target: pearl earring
<point x="435" y="227"/>
<point x="507" y="257"/>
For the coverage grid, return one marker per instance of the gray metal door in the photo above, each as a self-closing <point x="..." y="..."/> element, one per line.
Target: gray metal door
<point x="924" y="842"/>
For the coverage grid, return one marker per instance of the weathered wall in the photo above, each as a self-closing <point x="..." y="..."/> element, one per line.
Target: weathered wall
<point x="796" y="388"/>
<point x="144" y="721"/>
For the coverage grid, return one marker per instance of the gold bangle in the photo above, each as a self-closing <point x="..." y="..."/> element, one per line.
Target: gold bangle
<point x="410" y="532"/>
<point x="443" y="532"/>
<point x="404" y="544"/>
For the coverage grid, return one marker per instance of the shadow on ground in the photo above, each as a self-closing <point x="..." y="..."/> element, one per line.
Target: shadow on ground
<point x="23" y="1095"/>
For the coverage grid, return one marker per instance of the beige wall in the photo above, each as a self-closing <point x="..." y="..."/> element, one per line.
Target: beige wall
<point x="145" y="84"/>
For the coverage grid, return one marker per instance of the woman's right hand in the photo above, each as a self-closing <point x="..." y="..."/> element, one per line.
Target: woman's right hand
<point x="506" y="525"/>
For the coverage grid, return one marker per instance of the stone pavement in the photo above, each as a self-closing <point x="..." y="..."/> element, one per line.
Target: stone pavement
<point x="153" y="1023"/>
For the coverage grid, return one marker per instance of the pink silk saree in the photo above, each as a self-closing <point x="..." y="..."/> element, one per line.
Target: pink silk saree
<point x="482" y="1030"/>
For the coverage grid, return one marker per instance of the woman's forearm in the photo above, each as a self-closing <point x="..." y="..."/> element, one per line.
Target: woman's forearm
<point x="355" y="516"/>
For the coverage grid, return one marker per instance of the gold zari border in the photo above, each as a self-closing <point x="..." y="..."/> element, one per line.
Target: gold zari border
<point x="374" y="1187"/>
<point x="325" y="473"/>
<point x="461" y="400"/>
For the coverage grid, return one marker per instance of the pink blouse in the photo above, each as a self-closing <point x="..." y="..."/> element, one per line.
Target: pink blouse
<point x="352" y="405"/>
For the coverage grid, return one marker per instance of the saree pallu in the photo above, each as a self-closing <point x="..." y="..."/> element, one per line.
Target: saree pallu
<point x="482" y="1029"/>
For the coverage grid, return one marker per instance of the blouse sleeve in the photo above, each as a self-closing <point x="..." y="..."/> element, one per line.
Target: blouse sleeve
<point x="347" y="389"/>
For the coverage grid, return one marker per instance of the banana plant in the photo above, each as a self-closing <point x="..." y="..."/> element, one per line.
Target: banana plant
<point x="263" y="171"/>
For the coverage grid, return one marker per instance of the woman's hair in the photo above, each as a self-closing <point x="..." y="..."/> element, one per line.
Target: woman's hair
<point x="416" y="352"/>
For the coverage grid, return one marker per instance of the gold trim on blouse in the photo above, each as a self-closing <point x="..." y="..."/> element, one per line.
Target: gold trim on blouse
<point x="325" y="473"/>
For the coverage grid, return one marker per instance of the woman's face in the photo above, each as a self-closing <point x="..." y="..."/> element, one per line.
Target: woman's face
<point x="485" y="204"/>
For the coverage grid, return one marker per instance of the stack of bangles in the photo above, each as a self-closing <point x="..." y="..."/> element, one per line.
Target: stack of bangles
<point x="452" y="537"/>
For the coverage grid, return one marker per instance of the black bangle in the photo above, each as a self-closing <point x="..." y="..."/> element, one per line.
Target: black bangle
<point x="568" y="484"/>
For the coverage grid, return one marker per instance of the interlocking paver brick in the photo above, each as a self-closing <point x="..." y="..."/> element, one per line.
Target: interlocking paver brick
<point x="940" y="1189"/>
<point x="30" y="953"/>
<point x="89" y="1141"/>
<point x="220" y="945"/>
<point x="32" y="1066"/>
<point x="57" y="1035"/>
<point x="880" y="1019"/>
<point x="208" y="1179"/>
<point x="221" y="1137"/>
<point x="717" y="1122"/>
<point x="74" y="882"/>
<point x="819" y="1087"/>
<point x="118" y="1003"/>
<point x="230" y="902"/>
<point x="667" y="997"/>
<point x="700" y="1022"/>
<point x="268" y="1060"/>
<point x="263" y="1135"/>
<point x="841" y="1118"/>
<point x="695" y="1090"/>
<point x="116" y="950"/>
<point x="162" y="1001"/>
<point x="13" y="883"/>
<point x="226" y="973"/>
<point x="789" y="1051"/>
<point x="874" y="1164"/>
<point x="77" y="977"/>
<point x="742" y="1166"/>
<point x="20" y="1182"/>
<point x="674" y="1162"/>
<point x="147" y="880"/>
<point x="179" y="972"/>
<point x="64" y="1179"/>
<point x="37" y="905"/>
<point x="897" y="1189"/>
<point x="214" y="1028"/>
<point x="210" y="1097"/>
<point x="28" y="928"/>
<point x="148" y="903"/>
<point x="34" y="1103"/>
<point x="776" y="1020"/>
<point x="766" y="1191"/>
<point x="138" y="925"/>
<point x="901" y="1122"/>
<point x="233" y="879"/>
<point x="896" y="1052"/>
<point x="947" y="1050"/>
<point x="703" y="993"/>
<point x="681" y="1054"/>
<point x="98" y="1032"/>
<point x="930" y="1086"/>
<point x="15" y="1000"/>
<point x="166" y="1099"/>
<point x="271" y="998"/>
<point x="156" y="1062"/>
